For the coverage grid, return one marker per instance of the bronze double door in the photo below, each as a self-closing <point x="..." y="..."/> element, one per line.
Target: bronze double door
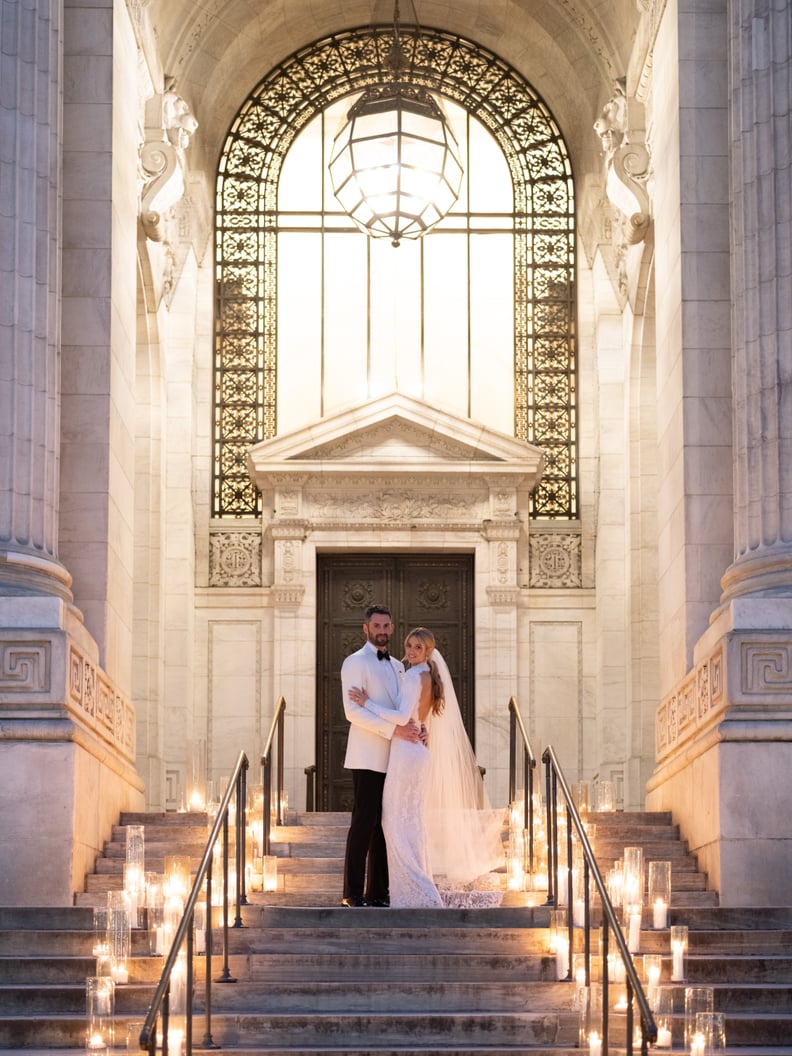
<point x="428" y="590"/>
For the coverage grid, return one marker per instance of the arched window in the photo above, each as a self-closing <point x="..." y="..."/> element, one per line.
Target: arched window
<point x="312" y="315"/>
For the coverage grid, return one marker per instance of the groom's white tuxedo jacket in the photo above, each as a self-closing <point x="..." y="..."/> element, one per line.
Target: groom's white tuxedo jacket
<point x="368" y="746"/>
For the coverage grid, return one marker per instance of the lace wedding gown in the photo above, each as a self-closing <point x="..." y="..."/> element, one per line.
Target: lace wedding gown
<point x="403" y="806"/>
<point x="435" y="812"/>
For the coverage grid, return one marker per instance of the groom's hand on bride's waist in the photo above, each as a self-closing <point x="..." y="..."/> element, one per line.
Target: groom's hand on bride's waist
<point x="409" y="732"/>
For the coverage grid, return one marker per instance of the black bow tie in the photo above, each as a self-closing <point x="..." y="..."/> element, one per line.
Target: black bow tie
<point x="383" y="654"/>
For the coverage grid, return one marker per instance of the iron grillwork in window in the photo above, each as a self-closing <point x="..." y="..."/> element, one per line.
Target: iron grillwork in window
<point x="246" y="246"/>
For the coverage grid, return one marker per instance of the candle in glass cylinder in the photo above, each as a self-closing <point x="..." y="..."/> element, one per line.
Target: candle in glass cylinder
<point x="634" y="940"/>
<point x="679" y="941"/>
<point x="595" y="1044"/>
<point x="660" y="914"/>
<point x="697" y="1045"/>
<point x="678" y="969"/>
<point x="562" y="958"/>
<point x="663" y="1038"/>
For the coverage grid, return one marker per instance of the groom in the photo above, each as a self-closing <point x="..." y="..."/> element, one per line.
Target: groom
<point x="373" y="669"/>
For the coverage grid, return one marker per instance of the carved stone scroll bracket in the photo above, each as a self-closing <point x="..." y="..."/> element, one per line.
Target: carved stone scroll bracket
<point x="627" y="163"/>
<point x="169" y="128"/>
<point x="164" y="186"/>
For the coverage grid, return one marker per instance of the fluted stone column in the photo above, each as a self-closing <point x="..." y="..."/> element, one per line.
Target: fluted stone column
<point x="29" y="299"/>
<point x="67" y="732"/>
<point x="724" y="735"/>
<point x="761" y="69"/>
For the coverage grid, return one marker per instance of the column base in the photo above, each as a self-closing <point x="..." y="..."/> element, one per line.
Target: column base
<point x="67" y="744"/>
<point x="724" y="751"/>
<point x="23" y="573"/>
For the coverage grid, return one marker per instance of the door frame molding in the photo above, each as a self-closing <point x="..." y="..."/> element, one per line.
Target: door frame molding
<point x="396" y="475"/>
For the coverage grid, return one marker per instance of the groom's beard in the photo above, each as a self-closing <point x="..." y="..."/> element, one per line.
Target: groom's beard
<point x="380" y="640"/>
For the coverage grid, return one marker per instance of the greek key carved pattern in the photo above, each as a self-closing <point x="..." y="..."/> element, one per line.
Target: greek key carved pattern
<point x="766" y="668"/>
<point x="555" y="559"/>
<point x="235" y="559"/>
<point x="25" y="667"/>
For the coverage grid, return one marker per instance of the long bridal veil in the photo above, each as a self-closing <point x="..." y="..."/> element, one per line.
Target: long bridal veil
<point x="464" y="833"/>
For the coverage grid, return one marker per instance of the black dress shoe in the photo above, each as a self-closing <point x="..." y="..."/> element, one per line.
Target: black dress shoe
<point x="354" y="902"/>
<point x="383" y="903"/>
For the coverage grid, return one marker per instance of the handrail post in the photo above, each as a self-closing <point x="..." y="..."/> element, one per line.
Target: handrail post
<point x="165" y="1020"/>
<point x="281" y="819"/>
<point x="552" y="836"/>
<point x="310" y="787"/>
<point x="188" y="1012"/>
<point x="605" y="982"/>
<point x="512" y="752"/>
<point x="225" y="976"/>
<point x="208" y="1042"/>
<point x="530" y="813"/>
<point x="241" y="798"/>
<point x="586" y="921"/>
<point x="266" y="800"/>
<point x="570" y="894"/>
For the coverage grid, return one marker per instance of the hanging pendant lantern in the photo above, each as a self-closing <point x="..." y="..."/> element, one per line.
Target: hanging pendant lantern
<point x="395" y="166"/>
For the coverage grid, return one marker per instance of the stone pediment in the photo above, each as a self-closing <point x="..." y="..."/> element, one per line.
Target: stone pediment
<point x="396" y="434"/>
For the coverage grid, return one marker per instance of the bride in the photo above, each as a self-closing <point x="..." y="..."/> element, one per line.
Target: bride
<point x="435" y="812"/>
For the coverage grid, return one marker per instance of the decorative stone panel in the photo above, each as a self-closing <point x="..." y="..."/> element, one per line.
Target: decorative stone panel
<point x="40" y="675"/>
<point x="555" y="559"/>
<point x="699" y="700"/>
<point x="235" y="559"/>
<point x="91" y="693"/>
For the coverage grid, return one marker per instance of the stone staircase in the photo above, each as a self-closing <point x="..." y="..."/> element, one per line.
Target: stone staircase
<point x="316" y="979"/>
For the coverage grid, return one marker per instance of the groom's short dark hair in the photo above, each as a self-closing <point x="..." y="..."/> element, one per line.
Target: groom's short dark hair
<point x="380" y="610"/>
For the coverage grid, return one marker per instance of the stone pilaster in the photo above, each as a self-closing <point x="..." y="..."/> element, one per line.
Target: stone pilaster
<point x="29" y="306"/>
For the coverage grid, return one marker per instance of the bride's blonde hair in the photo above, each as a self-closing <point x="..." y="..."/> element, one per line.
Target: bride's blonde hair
<point x="423" y="634"/>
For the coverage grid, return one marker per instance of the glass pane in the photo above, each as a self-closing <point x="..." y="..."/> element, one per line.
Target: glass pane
<point x="446" y="322"/>
<point x="395" y="318"/>
<point x="458" y="121"/>
<point x="300" y="185"/>
<point x="299" y="330"/>
<point x="364" y="336"/>
<point x="492" y="331"/>
<point x="490" y="179"/>
<point x="345" y="321"/>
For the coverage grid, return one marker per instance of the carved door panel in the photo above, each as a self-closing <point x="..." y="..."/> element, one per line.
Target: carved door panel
<point x="429" y="590"/>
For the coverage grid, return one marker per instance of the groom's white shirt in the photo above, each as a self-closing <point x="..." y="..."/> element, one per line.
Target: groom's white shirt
<point x="368" y="746"/>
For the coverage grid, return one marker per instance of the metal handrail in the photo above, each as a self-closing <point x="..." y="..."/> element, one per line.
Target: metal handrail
<point x="160" y="1003"/>
<point x="635" y="993"/>
<point x="276" y="734"/>
<point x="516" y="725"/>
